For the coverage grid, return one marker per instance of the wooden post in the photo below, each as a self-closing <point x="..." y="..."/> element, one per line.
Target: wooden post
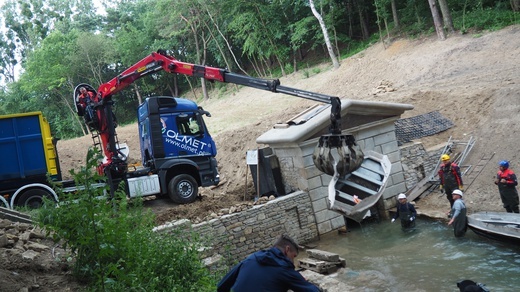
<point x="245" y="187"/>
<point x="257" y="175"/>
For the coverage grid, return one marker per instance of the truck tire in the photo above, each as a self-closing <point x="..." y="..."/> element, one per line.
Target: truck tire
<point x="183" y="189"/>
<point x="32" y="198"/>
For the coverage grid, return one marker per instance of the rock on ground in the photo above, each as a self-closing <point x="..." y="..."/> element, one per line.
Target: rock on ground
<point x="31" y="262"/>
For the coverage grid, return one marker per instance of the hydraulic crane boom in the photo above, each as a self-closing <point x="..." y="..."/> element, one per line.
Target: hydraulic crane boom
<point x="350" y="156"/>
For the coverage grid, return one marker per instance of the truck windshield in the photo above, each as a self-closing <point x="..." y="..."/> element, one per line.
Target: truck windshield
<point x="188" y="125"/>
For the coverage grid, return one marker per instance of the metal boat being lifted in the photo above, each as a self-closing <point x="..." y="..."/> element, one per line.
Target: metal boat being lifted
<point x="500" y="226"/>
<point x="355" y="193"/>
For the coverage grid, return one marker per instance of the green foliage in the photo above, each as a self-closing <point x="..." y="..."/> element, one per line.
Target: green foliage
<point x="113" y="245"/>
<point x="359" y="46"/>
<point x="383" y="8"/>
<point x="55" y="45"/>
<point x="485" y="19"/>
<point x="289" y="68"/>
<point x="303" y="31"/>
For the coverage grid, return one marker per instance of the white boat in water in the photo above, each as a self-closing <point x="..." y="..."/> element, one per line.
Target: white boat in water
<point x="354" y="194"/>
<point x="496" y="225"/>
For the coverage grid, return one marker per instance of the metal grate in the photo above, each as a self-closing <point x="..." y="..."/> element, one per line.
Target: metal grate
<point x="421" y="126"/>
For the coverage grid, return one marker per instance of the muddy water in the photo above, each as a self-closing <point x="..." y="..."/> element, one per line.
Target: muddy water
<point x="381" y="257"/>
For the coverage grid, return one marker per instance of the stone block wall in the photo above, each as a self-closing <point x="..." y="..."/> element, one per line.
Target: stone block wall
<point x="257" y="228"/>
<point x="293" y="168"/>
<point x="380" y="138"/>
<point x="418" y="162"/>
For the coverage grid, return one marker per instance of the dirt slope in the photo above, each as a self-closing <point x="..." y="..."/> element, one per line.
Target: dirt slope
<point x="471" y="79"/>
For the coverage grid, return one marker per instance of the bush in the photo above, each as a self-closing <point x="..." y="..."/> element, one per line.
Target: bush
<point x="485" y="19"/>
<point x="113" y="244"/>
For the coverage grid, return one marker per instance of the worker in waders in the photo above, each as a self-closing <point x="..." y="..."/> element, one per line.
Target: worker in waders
<point x="406" y="212"/>
<point x="450" y="177"/>
<point x="507" y="182"/>
<point x="458" y="214"/>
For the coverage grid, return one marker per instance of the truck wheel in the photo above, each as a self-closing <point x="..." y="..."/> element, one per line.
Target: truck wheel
<point x="32" y="198"/>
<point x="183" y="189"/>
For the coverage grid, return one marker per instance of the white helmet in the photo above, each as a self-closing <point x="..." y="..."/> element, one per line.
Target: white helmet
<point x="457" y="192"/>
<point x="401" y="196"/>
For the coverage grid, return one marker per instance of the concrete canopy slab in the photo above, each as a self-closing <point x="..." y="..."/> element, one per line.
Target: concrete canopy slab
<point x="321" y="121"/>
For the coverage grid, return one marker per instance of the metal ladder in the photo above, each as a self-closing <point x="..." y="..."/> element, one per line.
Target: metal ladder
<point x="475" y="171"/>
<point x="457" y="157"/>
<point x="430" y="183"/>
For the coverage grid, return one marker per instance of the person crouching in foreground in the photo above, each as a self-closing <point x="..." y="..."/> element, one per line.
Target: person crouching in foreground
<point x="267" y="270"/>
<point x="458" y="214"/>
<point x="406" y="212"/>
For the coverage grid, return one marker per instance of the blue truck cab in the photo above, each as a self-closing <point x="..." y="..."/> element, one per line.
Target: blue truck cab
<point x="176" y="145"/>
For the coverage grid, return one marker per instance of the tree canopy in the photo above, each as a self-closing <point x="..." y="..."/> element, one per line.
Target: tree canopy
<point x="47" y="47"/>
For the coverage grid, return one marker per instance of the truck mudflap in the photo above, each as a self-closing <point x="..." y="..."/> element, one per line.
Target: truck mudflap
<point x="354" y="194"/>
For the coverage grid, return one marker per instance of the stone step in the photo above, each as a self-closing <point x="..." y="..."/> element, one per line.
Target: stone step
<point x="322" y="262"/>
<point x="323" y="255"/>
<point x="318" y="266"/>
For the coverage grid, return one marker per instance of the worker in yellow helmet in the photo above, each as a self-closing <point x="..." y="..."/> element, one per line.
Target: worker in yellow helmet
<point x="450" y="177"/>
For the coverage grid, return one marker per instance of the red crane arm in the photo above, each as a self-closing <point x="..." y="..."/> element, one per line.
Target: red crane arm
<point x="153" y="63"/>
<point x="160" y="61"/>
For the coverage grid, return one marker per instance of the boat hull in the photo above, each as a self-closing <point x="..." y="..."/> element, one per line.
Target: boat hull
<point x="500" y="226"/>
<point x="354" y="194"/>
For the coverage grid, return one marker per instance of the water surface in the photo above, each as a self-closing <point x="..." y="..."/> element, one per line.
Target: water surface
<point x="381" y="257"/>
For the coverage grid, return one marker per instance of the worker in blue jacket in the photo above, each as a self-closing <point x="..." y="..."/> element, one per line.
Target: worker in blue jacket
<point x="268" y="270"/>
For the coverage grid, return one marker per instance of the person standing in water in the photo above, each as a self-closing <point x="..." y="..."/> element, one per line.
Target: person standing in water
<point x="459" y="220"/>
<point x="406" y="212"/>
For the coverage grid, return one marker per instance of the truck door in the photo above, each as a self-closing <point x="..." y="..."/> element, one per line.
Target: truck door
<point x="185" y="135"/>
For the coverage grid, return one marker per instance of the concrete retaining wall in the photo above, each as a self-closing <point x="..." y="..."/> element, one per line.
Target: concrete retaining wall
<point x="258" y="227"/>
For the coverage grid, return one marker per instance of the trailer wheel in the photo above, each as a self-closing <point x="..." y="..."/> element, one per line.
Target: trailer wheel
<point x="183" y="189"/>
<point x="32" y="198"/>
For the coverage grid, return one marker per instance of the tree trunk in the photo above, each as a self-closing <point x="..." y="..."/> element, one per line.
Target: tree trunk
<point x="273" y="45"/>
<point x="139" y="97"/>
<point x="515" y="5"/>
<point x="75" y="116"/>
<point x="417" y="14"/>
<point x="227" y="44"/>
<point x="349" y="14"/>
<point x="446" y="16"/>
<point x="394" y="14"/>
<point x="362" y="22"/>
<point x="255" y="66"/>
<point x="333" y="57"/>
<point x="437" y="20"/>
<point x="336" y="41"/>
<point x="194" y="30"/>
<point x="387" y="30"/>
<point x="295" y="61"/>
<point x="379" y="27"/>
